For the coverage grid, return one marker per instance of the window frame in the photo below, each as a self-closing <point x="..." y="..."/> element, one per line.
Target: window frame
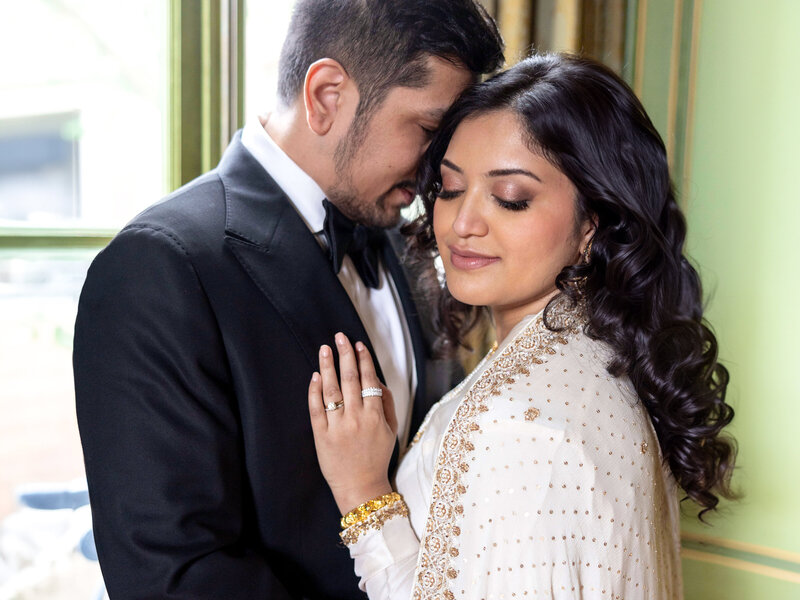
<point x="206" y="62"/>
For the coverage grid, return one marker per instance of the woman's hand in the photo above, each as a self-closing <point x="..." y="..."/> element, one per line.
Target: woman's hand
<point x="354" y="442"/>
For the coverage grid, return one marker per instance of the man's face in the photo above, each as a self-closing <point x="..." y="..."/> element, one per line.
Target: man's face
<point x="376" y="167"/>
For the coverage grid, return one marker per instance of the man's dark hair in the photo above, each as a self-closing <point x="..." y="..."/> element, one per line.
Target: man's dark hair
<point x="384" y="43"/>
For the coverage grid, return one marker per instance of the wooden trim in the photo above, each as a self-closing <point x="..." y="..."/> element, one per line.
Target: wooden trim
<point x="688" y="139"/>
<point x="740" y="565"/>
<point x="674" y="72"/>
<point x="187" y="91"/>
<point x="207" y="54"/>
<point x="514" y="18"/>
<point x="631" y="21"/>
<point x="231" y="68"/>
<point x="47" y="238"/>
<point x="211" y="33"/>
<point x="567" y="25"/>
<point x="174" y="122"/>
<point x="614" y="43"/>
<point x="641" y="35"/>
<point x="238" y="120"/>
<point x="766" y="551"/>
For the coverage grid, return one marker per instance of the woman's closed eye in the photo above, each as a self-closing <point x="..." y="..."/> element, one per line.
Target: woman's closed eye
<point x="444" y="194"/>
<point x="513" y="205"/>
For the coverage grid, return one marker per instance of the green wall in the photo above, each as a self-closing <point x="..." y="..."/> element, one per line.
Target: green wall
<point x="737" y="123"/>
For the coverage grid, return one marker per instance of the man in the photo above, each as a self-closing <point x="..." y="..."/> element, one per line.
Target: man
<point x="199" y="325"/>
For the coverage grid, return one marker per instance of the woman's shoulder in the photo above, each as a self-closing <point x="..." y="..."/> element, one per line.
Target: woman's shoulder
<point x="572" y="377"/>
<point x="570" y="399"/>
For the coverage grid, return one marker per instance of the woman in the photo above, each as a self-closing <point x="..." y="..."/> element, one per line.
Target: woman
<point x="552" y="470"/>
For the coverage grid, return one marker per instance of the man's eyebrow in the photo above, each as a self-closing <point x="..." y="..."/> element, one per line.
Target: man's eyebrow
<point x="450" y="165"/>
<point x="503" y="172"/>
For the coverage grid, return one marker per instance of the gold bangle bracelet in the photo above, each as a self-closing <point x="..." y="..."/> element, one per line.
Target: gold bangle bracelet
<point x="363" y="511"/>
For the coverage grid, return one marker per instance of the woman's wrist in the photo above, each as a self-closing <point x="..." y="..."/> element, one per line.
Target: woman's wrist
<point x="371" y="516"/>
<point x="347" y="500"/>
<point x="368" y="510"/>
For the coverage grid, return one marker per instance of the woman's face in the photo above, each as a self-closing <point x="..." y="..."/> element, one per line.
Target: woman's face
<point x="504" y="220"/>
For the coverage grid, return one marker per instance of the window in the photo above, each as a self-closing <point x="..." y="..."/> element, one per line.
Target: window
<point x="83" y="112"/>
<point x="104" y="108"/>
<point x="83" y="137"/>
<point x="265" y="29"/>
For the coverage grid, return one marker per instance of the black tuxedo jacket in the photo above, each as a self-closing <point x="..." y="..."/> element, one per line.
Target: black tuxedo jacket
<point x="197" y="333"/>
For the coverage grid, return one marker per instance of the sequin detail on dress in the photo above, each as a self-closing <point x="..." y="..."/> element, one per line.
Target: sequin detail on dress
<point x="439" y="544"/>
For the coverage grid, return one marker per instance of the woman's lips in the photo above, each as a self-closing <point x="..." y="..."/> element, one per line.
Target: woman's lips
<point x="468" y="260"/>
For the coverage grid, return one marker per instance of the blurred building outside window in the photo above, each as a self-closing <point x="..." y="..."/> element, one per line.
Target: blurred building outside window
<point x="265" y="29"/>
<point x="84" y="97"/>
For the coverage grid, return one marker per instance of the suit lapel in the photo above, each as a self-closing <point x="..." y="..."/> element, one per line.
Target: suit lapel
<point x="281" y="255"/>
<point x="285" y="261"/>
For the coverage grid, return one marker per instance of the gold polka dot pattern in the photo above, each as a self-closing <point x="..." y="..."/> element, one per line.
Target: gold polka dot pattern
<point x="548" y="481"/>
<point x="436" y="566"/>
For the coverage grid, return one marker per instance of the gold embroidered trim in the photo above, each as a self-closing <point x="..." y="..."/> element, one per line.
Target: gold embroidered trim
<point x="455" y="391"/>
<point x="439" y="548"/>
<point x="375" y="521"/>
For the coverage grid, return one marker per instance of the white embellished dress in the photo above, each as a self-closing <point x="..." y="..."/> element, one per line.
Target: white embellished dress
<point x="539" y="476"/>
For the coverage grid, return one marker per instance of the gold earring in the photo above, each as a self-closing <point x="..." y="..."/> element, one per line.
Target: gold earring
<point x="587" y="252"/>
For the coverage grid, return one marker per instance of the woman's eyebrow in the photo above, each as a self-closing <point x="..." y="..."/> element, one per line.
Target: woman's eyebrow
<point x="450" y="165"/>
<point x="503" y="172"/>
<point x="494" y="172"/>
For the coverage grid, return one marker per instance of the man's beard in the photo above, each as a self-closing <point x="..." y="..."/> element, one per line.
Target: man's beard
<point x="372" y="214"/>
<point x="344" y="196"/>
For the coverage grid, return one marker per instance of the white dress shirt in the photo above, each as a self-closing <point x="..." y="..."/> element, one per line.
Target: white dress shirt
<point x="379" y="309"/>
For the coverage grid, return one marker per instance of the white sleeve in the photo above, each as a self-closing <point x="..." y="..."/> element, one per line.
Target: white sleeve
<point x="384" y="548"/>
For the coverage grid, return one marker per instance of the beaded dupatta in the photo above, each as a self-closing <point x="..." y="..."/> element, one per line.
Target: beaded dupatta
<point x="440" y="541"/>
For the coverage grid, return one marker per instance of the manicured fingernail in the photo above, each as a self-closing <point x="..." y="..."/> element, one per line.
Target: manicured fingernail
<point x="340" y="339"/>
<point x="325" y="351"/>
<point x="360" y="347"/>
<point x="315" y="377"/>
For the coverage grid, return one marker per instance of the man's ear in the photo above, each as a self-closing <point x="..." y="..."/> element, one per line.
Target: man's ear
<point x="323" y="91"/>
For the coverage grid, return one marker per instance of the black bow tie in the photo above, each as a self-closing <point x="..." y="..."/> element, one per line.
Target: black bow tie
<point x="361" y="243"/>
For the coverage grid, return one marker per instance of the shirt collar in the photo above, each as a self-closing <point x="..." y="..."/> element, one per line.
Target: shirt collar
<point x="301" y="189"/>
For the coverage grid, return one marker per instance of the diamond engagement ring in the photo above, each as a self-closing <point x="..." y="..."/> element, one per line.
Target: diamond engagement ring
<point x="330" y="406"/>
<point x="372" y="391"/>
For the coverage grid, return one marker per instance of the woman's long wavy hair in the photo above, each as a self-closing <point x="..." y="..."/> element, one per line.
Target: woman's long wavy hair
<point x="641" y="294"/>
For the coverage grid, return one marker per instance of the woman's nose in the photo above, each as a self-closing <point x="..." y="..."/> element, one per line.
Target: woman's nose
<point x="470" y="220"/>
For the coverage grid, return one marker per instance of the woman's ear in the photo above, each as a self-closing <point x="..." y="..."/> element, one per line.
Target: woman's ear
<point x="588" y="229"/>
<point x="323" y="91"/>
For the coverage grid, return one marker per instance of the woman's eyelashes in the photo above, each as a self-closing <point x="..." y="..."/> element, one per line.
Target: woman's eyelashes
<point x="513" y="205"/>
<point x="443" y="194"/>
